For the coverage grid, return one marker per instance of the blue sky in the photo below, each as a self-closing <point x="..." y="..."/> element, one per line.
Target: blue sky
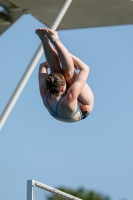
<point x="96" y="153"/>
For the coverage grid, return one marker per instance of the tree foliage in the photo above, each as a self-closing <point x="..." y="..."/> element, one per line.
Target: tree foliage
<point x="84" y="194"/>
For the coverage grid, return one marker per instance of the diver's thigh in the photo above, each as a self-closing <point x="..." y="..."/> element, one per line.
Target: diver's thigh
<point x="86" y="96"/>
<point x="55" y="66"/>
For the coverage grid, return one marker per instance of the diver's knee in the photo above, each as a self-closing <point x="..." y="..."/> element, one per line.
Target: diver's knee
<point x="43" y="64"/>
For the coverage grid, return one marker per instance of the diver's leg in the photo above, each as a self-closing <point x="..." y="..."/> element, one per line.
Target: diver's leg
<point x="86" y="97"/>
<point x="64" y="56"/>
<point x="50" y="54"/>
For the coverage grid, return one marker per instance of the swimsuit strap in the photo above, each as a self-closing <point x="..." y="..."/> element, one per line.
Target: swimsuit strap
<point x="49" y="105"/>
<point x="57" y="105"/>
<point x="74" y="114"/>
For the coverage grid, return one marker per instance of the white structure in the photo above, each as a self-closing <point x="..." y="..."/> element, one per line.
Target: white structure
<point x="39" y="191"/>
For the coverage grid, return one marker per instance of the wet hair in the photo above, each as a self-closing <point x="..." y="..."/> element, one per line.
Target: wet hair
<point x="54" y="82"/>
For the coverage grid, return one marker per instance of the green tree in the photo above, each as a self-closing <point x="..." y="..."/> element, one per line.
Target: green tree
<point x="84" y="194"/>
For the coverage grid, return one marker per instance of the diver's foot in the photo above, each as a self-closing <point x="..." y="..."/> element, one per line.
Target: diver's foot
<point x="41" y="35"/>
<point x="51" y="35"/>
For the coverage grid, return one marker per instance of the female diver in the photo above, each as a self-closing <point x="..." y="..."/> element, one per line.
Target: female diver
<point x="65" y="94"/>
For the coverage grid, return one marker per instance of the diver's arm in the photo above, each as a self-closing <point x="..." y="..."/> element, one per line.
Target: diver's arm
<point x="42" y="75"/>
<point x="79" y="64"/>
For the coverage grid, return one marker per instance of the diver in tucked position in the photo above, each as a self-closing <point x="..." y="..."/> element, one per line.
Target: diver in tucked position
<point x="65" y="94"/>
